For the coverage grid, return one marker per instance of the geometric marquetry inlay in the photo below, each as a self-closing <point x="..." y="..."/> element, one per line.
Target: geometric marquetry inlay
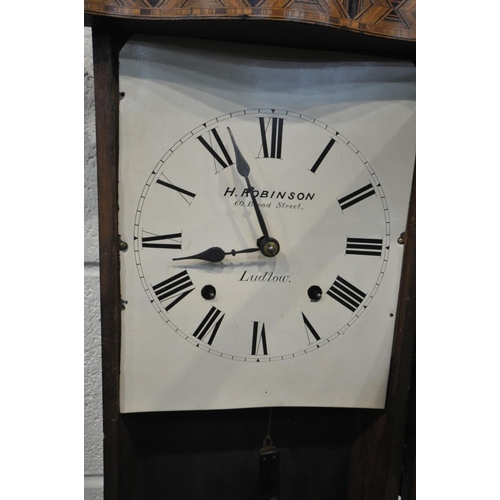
<point x="385" y="18"/>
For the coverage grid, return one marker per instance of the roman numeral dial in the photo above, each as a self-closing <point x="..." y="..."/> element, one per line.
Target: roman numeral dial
<point x="346" y="294"/>
<point x="316" y="192"/>
<point x="259" y="340"/>
<point x="172" y="241"/>
<point x="271" y="132"/>
<point x="174" y="289"/>
<point x="213" y="143"/>
<point x="184" y="193"/>
<point x="356" y="196"/>
<point x="364" y="246"/>
<point x="322" y="156"/>
<point x="210" y="325"/>
<point x="310" y="331"/>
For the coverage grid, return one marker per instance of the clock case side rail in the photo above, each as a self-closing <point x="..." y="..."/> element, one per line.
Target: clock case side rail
<point x="117" y="444"/>
<point x="382" y="464"/>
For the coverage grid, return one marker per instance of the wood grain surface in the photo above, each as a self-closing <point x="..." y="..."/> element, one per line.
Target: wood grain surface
<point x="394" y="19"/>
<point x="364" y="451"/>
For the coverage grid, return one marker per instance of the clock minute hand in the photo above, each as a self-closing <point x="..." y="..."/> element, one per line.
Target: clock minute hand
<point x="216" y="254"/>
<point x="268" y="246"/>
<point x="244" y="170"/>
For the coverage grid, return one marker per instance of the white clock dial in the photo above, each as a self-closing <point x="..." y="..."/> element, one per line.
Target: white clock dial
<point x="292" y="303"/>
<point x="320" y="200"/>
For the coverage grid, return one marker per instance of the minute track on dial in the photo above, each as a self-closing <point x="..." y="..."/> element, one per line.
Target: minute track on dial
<point x="247" y="288"/>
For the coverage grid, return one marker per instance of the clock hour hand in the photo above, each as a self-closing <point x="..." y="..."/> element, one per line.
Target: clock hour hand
<point x="216" y="254"/>
<point x="268" y="246"/>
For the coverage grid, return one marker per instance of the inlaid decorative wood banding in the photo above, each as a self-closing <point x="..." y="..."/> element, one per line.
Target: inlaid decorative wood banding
<point x="385" y="18"/>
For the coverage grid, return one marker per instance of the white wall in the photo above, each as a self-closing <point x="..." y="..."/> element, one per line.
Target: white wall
<point x="93" y="468"/>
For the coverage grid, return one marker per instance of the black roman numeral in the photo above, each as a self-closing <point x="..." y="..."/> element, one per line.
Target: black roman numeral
<point x="174" y="241"/>
<point x="259" y="341"/>
<point x="186" y="195"/>
<point x="356" y="196"/>
<point x="309" y="329"/>
<point x="322" y="156"/>
<point x="210" y="324"/>
<point x="364" y="246"/>
<point x="274" y="151"/>
<point x="224" y="163"/>
<point x="173" y="289"/>
<point x="346" y="294"/>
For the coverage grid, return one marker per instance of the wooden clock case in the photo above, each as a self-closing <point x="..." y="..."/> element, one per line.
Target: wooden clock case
<point x="341" y="454"/>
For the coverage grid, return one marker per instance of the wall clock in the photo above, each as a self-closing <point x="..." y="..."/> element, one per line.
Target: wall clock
<point x="262" y="193"/>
